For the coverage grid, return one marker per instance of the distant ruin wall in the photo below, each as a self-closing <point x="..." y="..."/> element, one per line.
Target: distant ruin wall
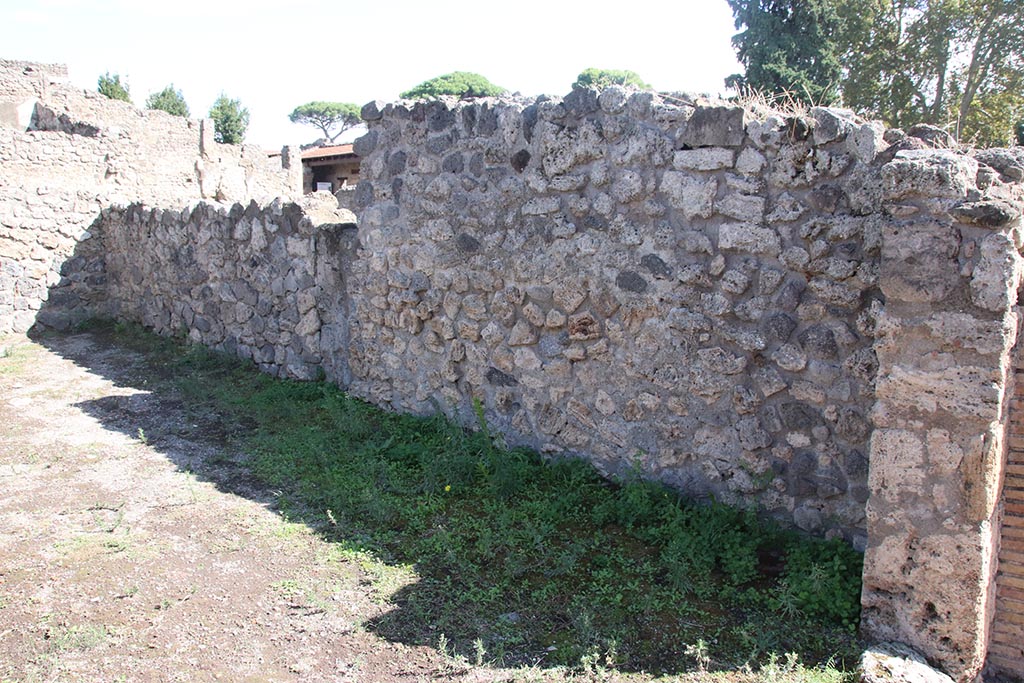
<point x="65" y="154"/>
<point x="809" y="314"/>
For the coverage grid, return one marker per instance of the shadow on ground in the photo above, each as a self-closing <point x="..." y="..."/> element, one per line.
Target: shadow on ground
<point x="426" y="599"/>
<point x="205" y="444"/>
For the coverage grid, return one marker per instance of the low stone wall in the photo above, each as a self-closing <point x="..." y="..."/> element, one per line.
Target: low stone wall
<point x="66" y="154"/>
<point x="253" y="281"/>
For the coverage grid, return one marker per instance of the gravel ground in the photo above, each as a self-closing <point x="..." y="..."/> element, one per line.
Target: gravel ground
<point x="133" y="548"/>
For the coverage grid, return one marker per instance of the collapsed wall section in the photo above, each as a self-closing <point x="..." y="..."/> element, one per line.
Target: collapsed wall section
<point x="658" y="284"/>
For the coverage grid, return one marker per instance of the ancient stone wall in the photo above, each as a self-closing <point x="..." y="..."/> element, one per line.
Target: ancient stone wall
<point x="804" y="313"/>
<point x="243" y="279"/>
<point x="66" y="154"/>
<point x="681" y="288"/>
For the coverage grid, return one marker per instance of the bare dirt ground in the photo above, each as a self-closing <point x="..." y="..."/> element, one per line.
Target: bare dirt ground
<point x="133" y="548"/>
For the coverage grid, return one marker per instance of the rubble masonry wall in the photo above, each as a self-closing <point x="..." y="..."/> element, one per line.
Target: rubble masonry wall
<point x="805" y="313"/>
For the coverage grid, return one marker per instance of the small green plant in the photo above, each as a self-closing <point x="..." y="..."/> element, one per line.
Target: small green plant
<point x="81" y="637"/>
<point x="449" y="529"/>
<point x="168" y="100"/>
<point x="700" y="653"/>
<point x="479" y="652"/>
<point x="822" y="580"/>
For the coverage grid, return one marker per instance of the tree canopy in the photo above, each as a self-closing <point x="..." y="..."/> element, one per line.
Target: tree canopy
<point x="787" y="47"/>
<point x="953" y="63"/>
<point x="110" y="85"/>
<point x="958" y="64"/>
<point x="327" y="116"/>
<point x="458" y="83"/>
<point x="168" y="100"/>
<point x="601" y="78"/>
<point x="230" y="120"/>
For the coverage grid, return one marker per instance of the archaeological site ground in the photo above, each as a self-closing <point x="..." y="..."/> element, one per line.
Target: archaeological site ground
<point x="801" y="322"/>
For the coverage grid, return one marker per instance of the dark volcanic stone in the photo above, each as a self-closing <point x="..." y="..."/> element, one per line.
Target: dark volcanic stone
<point x="797" y="415"/>
<point x="467" y="243"/>
<point x="396" y="163"/>
<point x="364" y="194"/>
<point x="988" y="214"/>
<point x="819" y="341"/>
<point x="631" y="281"/>
<point x="453" y="163"/>
<point x="501" y="379"/>
<point x="789" y="296"/>
<point x="655" y="265"/>
<point x="520" y="159"/>
<point x="852" y="426"/>
<point x="779" y="326"/>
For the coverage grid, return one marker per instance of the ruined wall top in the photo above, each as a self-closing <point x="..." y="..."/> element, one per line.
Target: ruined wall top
<point x="27" y="79"/>
<point x="67" y="153"/>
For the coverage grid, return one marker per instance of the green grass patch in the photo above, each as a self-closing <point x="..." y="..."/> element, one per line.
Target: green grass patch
<point x="529" y="560"/>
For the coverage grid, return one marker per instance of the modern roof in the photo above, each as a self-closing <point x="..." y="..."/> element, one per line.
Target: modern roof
<point x="323" y="152"/>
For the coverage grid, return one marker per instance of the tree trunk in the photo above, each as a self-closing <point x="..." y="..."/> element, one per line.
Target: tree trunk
<point x="982" y="54"/>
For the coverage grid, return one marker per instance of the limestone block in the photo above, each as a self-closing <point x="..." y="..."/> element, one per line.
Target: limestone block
<point x="522" y="334"/>
<point x="942" y="581"/>
<point x="628" y="186"/>
<point x="704" y="159"/>
<point x="897" y="663"/>
<point x="997" y="274"/>
<point x="747" y="208"/>
<point x="640" y="147"/>
<point x="835" y="293"/>
<point x="749" y="238"/>
<point x="693" y="197"/>
<point x="750" y="161"/>
<point x="897" y="464"/>
<point x="540" y="206"/>
<point x="959" y="330"/>
<point x="563" y="149"/>
<point x="919" y="261"/>
<point x="929" y="173"/>
<point x="964" y="391"/>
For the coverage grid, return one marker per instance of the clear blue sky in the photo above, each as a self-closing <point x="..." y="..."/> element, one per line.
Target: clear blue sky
<point x="274" y="55"/>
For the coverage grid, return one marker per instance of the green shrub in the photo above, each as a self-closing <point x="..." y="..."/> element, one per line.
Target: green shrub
<point x="110" y="85"/>
<point x="458" y="83"/>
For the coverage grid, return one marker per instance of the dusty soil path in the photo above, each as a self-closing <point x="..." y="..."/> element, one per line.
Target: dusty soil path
<point x="133" y="549"/>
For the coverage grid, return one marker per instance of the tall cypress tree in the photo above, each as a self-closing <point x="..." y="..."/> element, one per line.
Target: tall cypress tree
<point x="788" y="47"/>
